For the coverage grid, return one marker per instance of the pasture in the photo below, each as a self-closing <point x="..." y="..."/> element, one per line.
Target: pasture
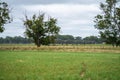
<point x="91" y="62"/>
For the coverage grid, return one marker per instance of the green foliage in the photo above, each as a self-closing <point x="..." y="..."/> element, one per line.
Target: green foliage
<point x="41" y="31"/>
<point x="69" y="39"/>
<point x="60" y="39"/>
<point x="15" y="40"/>
<point x="49" y="65"/>
<point x="92" y="40"/>
<point x="108" y="23"/>
<point x="4" y="15"/>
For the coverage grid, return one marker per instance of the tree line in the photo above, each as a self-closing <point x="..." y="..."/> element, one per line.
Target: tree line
<point x="15" y="40"/>
<point x="69" y="39"/>
<point x="60" y="39"/>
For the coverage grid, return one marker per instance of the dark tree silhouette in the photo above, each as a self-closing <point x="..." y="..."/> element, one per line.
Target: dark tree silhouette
<point x="4" y="15"/>
<point x="108" y="22"/>
<point x="41" y="31"/>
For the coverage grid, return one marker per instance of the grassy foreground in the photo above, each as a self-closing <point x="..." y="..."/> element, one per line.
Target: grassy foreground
<point x="52" y="65"/>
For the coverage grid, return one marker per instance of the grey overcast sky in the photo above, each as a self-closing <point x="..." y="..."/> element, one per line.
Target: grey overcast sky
<point x="75" y="17"/>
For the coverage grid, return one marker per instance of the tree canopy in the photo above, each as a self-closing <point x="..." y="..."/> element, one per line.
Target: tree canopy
<point x="41" y="31"/>
<point x="4" y="15"/>
<point x="108" y="22"/>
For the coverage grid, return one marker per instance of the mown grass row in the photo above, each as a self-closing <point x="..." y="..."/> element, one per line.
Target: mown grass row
<point x="68" y="48"/>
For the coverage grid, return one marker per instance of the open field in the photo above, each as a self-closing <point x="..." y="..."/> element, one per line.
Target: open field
<point x="82" y="62"/>
<point x="52" y="65"/>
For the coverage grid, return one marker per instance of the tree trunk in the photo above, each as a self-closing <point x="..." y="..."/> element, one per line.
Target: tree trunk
<point x="38" y="43"/>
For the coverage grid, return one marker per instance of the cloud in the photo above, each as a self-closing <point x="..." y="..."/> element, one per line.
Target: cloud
<point x="60" y="8"/>
<point x="29" y="2"/>
<point x="74" y="17"/>
<point x="14" y="29"/>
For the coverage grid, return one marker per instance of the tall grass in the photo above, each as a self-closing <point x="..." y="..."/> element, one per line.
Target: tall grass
<point x="62" y="48"/>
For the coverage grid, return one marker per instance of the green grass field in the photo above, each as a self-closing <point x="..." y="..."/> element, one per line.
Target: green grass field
<point x="59" y="65"/>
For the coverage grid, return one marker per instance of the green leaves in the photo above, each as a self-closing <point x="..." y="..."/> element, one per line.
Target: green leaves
<point x="108" y="22"/>
<point x="41" y="31"/>
<point x="4" y="15"/>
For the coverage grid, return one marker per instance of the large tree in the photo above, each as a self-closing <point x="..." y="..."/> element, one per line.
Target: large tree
<point x="41" y="31"/>
<point x="4" y="15"/>
<point x="108" y="22"/>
